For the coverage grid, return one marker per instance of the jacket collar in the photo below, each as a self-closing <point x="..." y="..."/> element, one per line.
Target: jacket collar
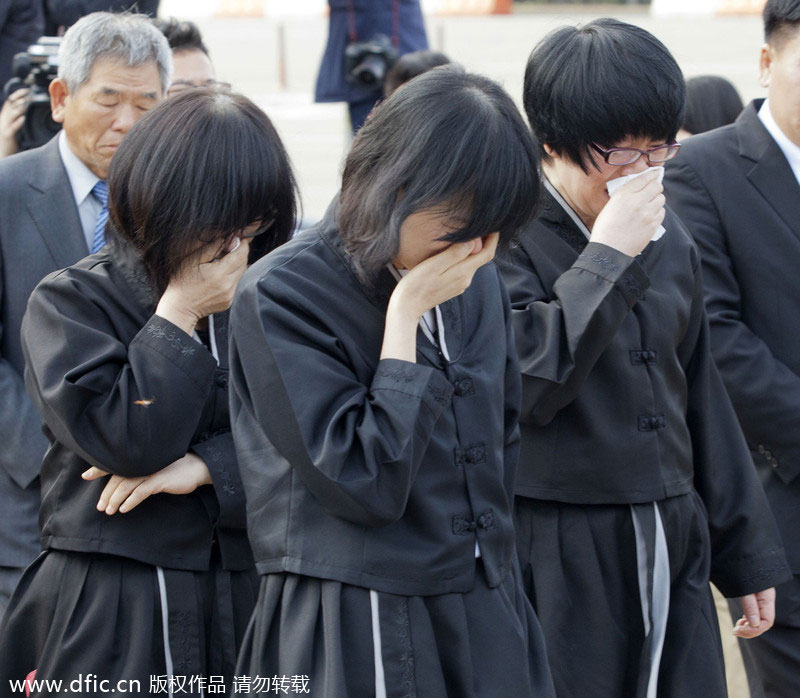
<point x="767" y="168"/>
<point x="52" y="207"/>
<point x="553" y="212"/>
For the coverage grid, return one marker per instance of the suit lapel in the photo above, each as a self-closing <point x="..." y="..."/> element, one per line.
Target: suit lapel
<point x="52" y="207"/>
<point x="770" y="172"/>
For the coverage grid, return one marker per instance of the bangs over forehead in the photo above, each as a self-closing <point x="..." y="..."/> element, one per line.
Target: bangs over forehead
<point x="200" y="166"/>
<point x="446" y="139"/>
<point x="602" y="83"/>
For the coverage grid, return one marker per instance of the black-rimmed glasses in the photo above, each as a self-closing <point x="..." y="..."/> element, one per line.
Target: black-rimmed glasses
<point x="627" y="156"/>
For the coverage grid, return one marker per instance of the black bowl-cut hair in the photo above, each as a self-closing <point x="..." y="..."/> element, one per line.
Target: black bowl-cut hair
<point x="200" y="166"/>
<point x="601" y="83"/>
<point x="781" y="18"/>
<point x="448" y="138"/>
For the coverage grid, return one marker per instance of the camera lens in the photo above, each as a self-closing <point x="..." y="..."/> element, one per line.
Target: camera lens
<point x="371" y="71"/>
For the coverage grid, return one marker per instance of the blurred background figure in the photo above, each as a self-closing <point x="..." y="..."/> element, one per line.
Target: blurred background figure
<point x="411" y="65"/>
<point x="365" y="38"/>
<point x="711" y="101"/>
<point x="191" y="63"/>
<point x="59" y="15"/>
<point x="21" y="24"/>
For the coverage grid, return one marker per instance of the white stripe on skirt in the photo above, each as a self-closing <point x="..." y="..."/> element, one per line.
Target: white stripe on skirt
<point x="380" y="679"/>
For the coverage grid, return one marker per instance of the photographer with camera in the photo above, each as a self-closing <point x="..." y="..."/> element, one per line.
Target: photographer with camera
<point x="365" y="38"/>
<point x="112" y="69"/>
<point x="26" y="120"/>
<point x="21" y="23"/>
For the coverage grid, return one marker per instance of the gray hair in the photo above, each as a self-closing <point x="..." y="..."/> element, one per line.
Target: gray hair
<point x="129" y="38"/>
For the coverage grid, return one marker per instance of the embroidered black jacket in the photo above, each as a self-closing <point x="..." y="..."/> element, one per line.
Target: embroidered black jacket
<point x="129" y="392"/>
<point x="381" y="474"/>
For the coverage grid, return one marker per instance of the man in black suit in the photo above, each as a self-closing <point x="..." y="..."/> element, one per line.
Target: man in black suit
<point x="112" y="68"/>
<point x="737" y="189"/>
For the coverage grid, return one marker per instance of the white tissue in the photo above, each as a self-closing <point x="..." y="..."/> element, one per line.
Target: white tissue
<point x="614" y="184"/>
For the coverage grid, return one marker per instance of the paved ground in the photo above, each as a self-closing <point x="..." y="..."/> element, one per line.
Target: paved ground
<point x="246" y="52"/>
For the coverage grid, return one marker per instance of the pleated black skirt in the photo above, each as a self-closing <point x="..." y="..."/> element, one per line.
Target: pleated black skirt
<point x="579" y="566"/>
<point x="99" y="618"/>
<point x="349" y="642"/>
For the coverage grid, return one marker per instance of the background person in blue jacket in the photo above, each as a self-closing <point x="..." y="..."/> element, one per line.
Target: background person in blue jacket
<point x="359" y="24"/>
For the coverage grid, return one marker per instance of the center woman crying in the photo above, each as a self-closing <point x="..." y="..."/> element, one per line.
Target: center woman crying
<point x="375" y="394"/>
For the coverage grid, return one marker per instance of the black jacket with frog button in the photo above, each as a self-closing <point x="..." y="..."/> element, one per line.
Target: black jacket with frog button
<point x="377" y="473"/>
<point x="622" y="402"/>
<point x="127" y="391"/>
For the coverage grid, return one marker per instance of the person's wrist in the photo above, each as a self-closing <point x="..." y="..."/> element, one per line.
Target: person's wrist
<point x="177" y="313"/>
<point x="202" y="475"/>
<point x="8" y="146"/>
<point x="402" y="307"/>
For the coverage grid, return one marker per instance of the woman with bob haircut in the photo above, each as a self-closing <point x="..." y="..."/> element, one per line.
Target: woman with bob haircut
<point x="374" y="394"/>
<point x="146" y="569"/>
<point x="635" y="483"/>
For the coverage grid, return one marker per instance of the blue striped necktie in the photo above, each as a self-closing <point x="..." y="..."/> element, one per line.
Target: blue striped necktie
<point x="100" y="191"/>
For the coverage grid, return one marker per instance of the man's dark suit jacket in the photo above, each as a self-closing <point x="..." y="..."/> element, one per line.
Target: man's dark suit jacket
<point x="736" y="193"/>
<point x="40" y="231"/>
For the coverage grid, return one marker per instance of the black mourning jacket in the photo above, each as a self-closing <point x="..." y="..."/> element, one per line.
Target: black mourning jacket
<point x="622" y="402"/>
<point x="381" y="474"/>
<point x="129" y="392"/>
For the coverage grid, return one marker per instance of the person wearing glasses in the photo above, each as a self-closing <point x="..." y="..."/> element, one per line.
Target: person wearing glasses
<point x="147" y="570"/>
<point x="191" y="62"/>
<point x="635" y="485"/>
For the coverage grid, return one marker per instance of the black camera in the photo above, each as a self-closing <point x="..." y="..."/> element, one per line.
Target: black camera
<point x="366" y="62"/>
<point x="35" y="69"/>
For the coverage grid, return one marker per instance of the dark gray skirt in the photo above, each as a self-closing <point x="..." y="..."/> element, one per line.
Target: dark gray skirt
<point x="94" y="618"/>
<point x="344" y="641"/>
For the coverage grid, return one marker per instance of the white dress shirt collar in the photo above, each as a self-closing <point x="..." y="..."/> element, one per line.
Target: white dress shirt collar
<point x="82" y="181"/>
<point x="790" y="149"/>
<point x="81" y="178"/>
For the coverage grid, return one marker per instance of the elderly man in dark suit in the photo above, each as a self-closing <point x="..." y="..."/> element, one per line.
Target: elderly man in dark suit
<point x="113" y="68"/>
<point x="737" y="189"/>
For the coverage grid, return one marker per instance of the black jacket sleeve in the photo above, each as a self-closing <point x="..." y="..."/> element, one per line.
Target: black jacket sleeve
<point x="128" y="409"/>
<point x="747" y="555"/>
<point x="356" y="443"/>
<point x="560" y="335"/>
<point x="219" y="455"/>
<point x="765" y="391"/>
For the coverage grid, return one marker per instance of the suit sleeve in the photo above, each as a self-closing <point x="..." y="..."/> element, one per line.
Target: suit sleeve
<point x="747" y="554"/>
<point x="357" y="445"/>
<point x="561" y="334"/>
<point x="765" y="391"/>
<point x="24" y="444"/>
<point x="129" y="410"/>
